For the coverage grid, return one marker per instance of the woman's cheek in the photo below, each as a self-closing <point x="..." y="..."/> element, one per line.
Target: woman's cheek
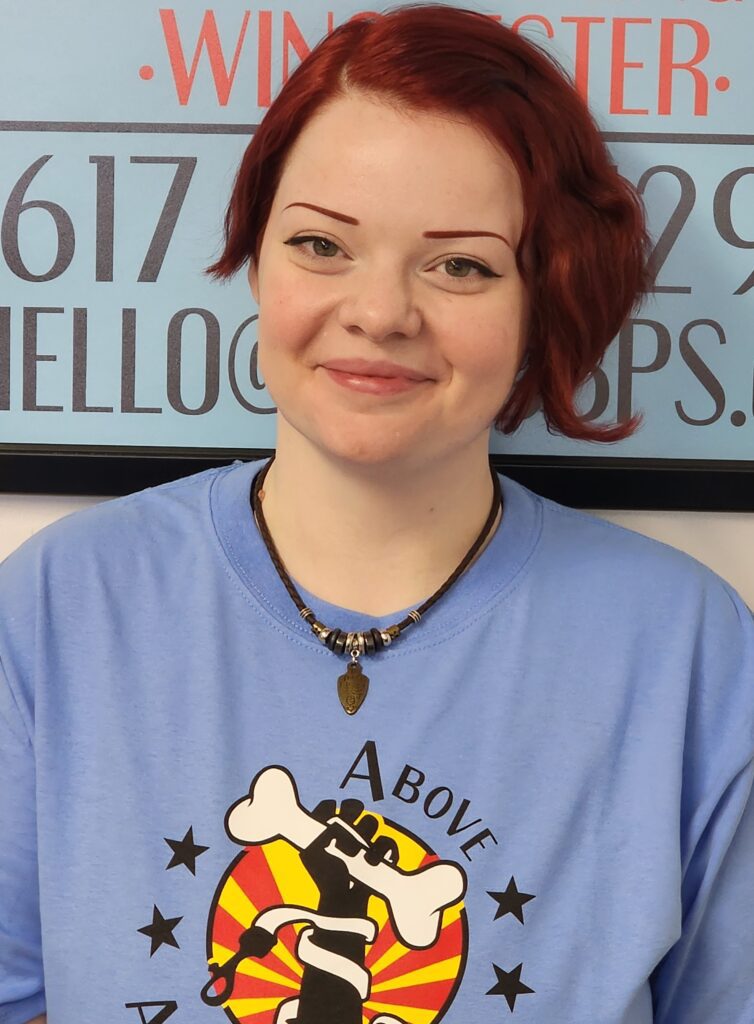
<point x="280" y="324"/>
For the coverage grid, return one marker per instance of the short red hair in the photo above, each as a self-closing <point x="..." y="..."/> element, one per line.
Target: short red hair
<point x="584" y="235"/>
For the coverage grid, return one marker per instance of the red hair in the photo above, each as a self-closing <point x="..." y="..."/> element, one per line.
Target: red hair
<point x="584" y="250"/>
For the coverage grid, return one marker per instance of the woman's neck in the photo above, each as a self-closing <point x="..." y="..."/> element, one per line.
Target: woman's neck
<point x="374" y="539"/>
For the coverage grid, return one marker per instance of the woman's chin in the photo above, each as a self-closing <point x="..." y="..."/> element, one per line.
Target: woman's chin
<point x="408" y="445"/>
<point x="373" y="451"/>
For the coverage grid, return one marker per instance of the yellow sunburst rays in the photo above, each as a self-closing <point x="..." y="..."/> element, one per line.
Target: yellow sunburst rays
<point x="239" y="906"/>
<point x="241" y="1008"/>
<point x="443" y="970"/>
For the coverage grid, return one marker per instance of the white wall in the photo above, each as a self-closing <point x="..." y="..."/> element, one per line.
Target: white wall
<point x="21" y="515"/>
<point x="722" y="540"/>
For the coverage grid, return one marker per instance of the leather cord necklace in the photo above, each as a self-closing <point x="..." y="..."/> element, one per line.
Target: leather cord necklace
<point x="353" y="684"/>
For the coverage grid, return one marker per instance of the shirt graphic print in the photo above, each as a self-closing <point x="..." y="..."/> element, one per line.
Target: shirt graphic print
<point x="336" y="914"/>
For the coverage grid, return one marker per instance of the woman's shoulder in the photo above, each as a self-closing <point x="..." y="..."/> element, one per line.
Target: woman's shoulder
<point x="112" y="531"/>
<point x="669" y="614"/>
<point x="602" y="569"/>
<point x="589" y="545"/>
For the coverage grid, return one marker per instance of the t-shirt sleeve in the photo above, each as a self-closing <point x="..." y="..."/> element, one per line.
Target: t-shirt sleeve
<point x="21" y="976"/>
<point x="708" y="975"/>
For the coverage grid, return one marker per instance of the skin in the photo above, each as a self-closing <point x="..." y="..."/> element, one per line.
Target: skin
<point x="410" y="470"/>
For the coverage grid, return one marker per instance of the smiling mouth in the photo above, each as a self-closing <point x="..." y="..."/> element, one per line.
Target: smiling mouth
<point x="374" y="368"/>
<point x="373" y="384"/>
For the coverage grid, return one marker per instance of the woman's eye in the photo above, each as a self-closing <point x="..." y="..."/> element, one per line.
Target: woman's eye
<point x="317" y="247"/>
<point x="321" y="247"/>
<point x="460" y="267"/>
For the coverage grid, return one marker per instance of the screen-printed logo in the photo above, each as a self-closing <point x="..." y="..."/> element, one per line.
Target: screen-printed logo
<point x="332" y="915"/>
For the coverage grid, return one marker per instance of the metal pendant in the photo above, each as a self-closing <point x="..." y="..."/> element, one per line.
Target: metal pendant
<point x="352" y="688"/>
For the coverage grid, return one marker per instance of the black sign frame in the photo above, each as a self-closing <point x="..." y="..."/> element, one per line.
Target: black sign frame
<point x="696" y="485"/>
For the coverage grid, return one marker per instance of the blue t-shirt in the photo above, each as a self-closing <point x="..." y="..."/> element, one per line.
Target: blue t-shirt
<point x="542" y="809"/>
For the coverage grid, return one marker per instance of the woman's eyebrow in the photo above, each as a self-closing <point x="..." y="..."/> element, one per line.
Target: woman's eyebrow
<point x="328" y="213"/>
<point x="427" y="234"/>
<point x="466" y="234"/>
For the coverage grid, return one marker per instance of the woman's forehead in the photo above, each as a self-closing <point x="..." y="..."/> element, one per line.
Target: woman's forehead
<point x="368" y="153"/>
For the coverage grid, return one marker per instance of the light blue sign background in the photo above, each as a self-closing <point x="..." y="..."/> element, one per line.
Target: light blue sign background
<point x="74" y="77"/>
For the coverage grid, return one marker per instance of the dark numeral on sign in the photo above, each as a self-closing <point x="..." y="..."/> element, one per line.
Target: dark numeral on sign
<point x="724" y="220"/>
<point x="675" y="225"/>
<point x="104" y="220"/>
<point x="16" y="206"/>
<point x="184" y="171"/>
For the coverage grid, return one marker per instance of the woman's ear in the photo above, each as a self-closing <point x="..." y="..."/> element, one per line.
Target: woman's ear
<point x="253" y="276"/>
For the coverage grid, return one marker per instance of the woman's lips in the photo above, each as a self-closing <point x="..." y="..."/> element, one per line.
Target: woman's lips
<point x="373" y="376"/>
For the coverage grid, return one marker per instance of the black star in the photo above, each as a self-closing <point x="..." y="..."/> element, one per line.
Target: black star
<point x="511" y="901"/>
<point x="161" y="930"/>
<point x="185" y="851"/>
<point x="509" y="984"/>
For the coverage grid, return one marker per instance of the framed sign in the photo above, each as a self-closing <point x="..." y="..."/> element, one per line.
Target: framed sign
<point x="122" y="364"/>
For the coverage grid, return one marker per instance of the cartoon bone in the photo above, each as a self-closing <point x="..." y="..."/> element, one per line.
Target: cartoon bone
<point x="416" y="899"/>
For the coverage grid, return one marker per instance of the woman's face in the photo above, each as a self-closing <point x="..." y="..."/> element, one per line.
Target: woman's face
<point x="391" y="240"/>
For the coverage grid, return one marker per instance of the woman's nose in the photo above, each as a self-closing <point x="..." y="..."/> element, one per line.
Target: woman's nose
<point x="380" y="304"/>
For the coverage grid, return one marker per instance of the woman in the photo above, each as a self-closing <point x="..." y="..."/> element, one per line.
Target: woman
<point x="527" y="790"/>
